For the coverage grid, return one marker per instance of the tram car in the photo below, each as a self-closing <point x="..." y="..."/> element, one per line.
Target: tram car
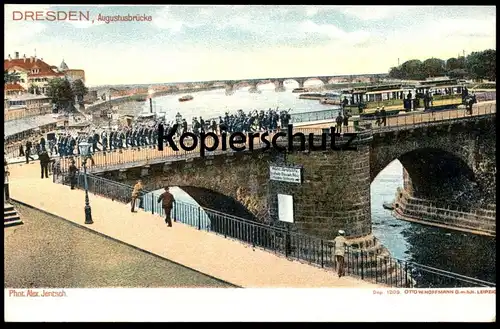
<point x="398" y="98"/>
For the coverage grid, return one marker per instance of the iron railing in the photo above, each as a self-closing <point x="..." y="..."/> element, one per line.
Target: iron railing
<point x="413" y="120"/>
<point x="374" y="266"/>
<point x="329" y="114"/>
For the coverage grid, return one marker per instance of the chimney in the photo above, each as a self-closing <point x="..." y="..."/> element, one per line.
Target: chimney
<point x="24" y="57"/>
<point x="10" y="58"/>
<point x="17" y="55"/>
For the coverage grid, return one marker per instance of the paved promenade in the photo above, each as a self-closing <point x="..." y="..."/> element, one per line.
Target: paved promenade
<point x="228" y="260"/>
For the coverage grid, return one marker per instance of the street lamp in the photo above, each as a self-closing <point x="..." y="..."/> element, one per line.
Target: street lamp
<point x="84" y="148"/>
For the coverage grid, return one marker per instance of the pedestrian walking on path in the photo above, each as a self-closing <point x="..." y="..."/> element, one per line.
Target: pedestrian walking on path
<point x="339" y="245"/>
<point x="138" y="187"/>
<point x="167" y="200"/>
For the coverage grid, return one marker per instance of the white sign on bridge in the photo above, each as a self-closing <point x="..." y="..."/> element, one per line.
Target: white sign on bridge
<point x="286" y="174"/>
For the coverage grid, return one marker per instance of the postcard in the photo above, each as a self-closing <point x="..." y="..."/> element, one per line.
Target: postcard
<point x="182" y="163"/>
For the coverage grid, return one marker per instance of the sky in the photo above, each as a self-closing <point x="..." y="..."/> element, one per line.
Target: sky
<point x="203" y="43"/>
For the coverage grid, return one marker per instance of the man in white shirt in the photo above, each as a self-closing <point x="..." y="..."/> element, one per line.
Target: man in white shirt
<point x="339" y="245"/>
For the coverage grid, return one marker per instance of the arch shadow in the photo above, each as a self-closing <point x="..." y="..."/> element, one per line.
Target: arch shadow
<point x="211" y="199"/>
<point x="230" y="218"/>
<point x="441" y="176"/>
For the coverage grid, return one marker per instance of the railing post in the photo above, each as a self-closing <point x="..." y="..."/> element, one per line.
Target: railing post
<point x="174" y="211"/>
<point x="253" y="235"/>
<point x="152" y="204"/>
<point x="199" y="218"/>
<point x="406" y="274"/>
<point x="322" y="261"/>
<point x="362" y="267"/>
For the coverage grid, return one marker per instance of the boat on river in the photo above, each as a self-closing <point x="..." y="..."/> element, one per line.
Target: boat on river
<point x="186" y="98"/>
<point x="300" y="90"/>
<point x="388" y="205"/>
<point x="312" y="96"/>
<point x="330" y="101"/>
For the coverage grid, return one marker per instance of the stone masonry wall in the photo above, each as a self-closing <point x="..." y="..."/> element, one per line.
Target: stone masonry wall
<point x="334" y="195"/>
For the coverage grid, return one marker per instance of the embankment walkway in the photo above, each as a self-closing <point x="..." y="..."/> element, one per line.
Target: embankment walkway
<point x="226" y="259"/>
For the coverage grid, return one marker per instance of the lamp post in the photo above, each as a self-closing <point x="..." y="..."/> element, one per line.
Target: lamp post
<point x="84" y="148"/>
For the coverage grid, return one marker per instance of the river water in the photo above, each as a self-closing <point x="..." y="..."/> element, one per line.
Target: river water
<point x="462" y="253"/>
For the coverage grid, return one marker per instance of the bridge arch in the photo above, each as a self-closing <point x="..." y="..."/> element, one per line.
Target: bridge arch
<point x="433" y="173"/>
<point x="211" y="199"/>
<point x="308" y="81"/>
<point x="292" y="83"/>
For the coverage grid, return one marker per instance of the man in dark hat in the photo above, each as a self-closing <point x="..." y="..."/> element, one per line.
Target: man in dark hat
<point x="167" y="200"/>
<point x="44" y="163"/>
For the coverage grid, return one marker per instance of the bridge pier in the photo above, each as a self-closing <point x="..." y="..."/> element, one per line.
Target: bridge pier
<point x="334" y="195"/>
<point x="279" y="85"/>
<point x="324" y="80"/>
<point x="253" y="88"/>
<point x="229" y="89"/>
<point x="300" y="82"/>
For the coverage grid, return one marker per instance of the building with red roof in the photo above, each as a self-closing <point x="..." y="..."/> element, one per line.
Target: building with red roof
<point x="14" y="89"/>
<point x="34" y="72"/>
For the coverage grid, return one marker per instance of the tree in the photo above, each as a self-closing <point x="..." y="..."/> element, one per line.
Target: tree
<point x="79" y="90"/>
<point x="413" y="69"/>
<point x="395" y="73"/>
<point x="433" y="67"/>
<point x="478" y="65"/>
<point x="60" y="92"/>
<point x="11" y="77"/>
<point x="455" y="63"/>
<point x="482" y="65"/>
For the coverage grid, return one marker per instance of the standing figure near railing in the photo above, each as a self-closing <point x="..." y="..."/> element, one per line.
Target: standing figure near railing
<point x="339" y="121"/>
<point x="44" y="163"/>
<point x="138" y="187"/>
<point x="339" y="246"/>
<point x="383" y="116"/>
<point x="346" y="121"/>
<point x="72" y="174"/>
<point x="167" y="200"/>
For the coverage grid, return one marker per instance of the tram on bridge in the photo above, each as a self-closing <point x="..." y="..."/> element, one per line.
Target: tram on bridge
<point x="396" y="98"/>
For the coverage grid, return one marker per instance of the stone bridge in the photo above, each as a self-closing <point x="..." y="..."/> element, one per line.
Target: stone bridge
<point x="447" y="161"/>
<point x="232" y="85"/>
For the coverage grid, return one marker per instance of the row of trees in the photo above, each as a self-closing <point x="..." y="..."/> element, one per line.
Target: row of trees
<point x="478" y="65"/>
